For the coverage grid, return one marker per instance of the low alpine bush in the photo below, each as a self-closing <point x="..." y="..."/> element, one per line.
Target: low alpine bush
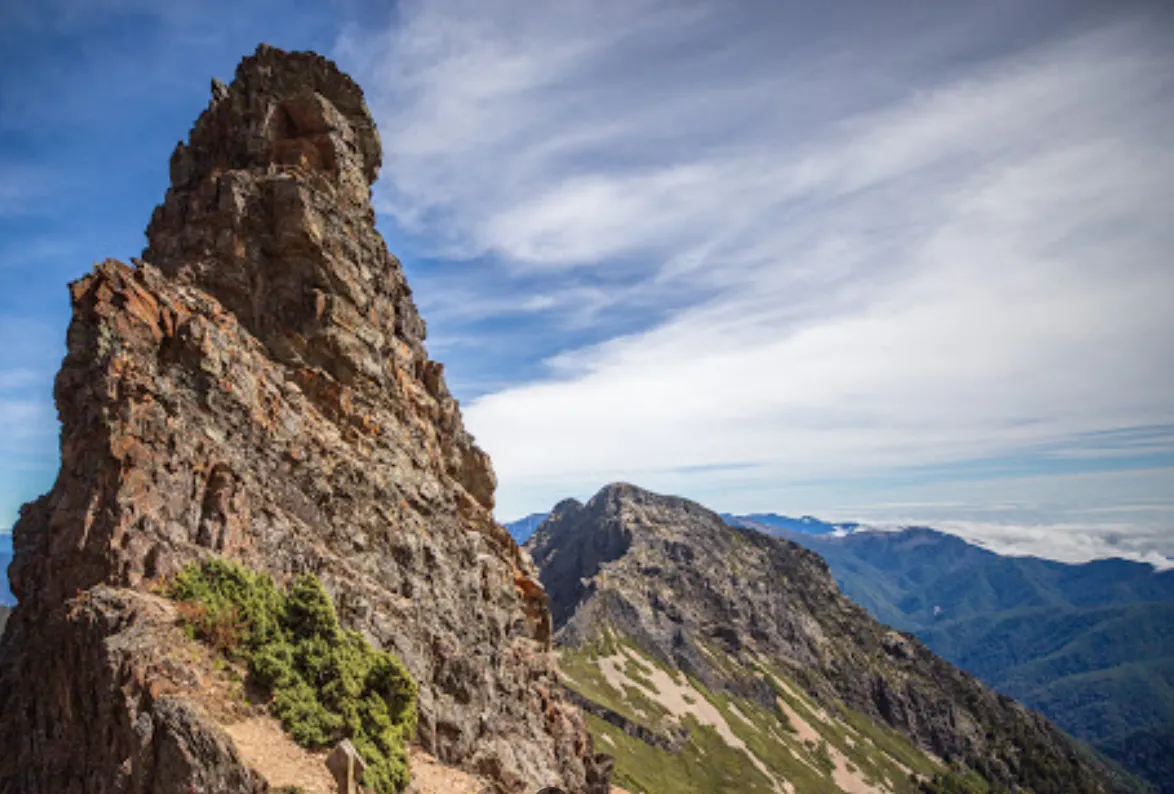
<point x="327" y="683"/>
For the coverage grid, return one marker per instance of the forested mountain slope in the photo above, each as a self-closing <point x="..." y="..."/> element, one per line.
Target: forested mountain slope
<point x="1091" y="646"/>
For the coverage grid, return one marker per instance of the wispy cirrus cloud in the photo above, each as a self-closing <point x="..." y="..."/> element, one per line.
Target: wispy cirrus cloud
<point x="880" y="252"/>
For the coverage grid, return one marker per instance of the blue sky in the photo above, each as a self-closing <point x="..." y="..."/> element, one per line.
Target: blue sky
<point x="893" y="262"/>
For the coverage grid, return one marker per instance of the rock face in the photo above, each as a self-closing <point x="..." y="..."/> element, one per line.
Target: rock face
<point x="723" y="604"/>
<point x="258" y="388"/>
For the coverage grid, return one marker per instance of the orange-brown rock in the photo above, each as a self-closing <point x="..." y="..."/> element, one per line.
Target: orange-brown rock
<point x="258" y="388"/>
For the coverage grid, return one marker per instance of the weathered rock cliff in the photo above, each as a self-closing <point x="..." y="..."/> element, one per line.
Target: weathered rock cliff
<point x="724" y="606"/>
<point x="258" y="388"/>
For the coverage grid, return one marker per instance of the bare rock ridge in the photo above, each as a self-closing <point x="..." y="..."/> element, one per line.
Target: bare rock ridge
<point x="673" y="581"/>
<point x="258" y="388"/>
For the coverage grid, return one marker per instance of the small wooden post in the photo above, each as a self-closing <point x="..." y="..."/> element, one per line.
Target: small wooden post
<point x="347" y="766"/>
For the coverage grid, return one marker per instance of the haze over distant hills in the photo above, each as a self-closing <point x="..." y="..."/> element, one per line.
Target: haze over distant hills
<point x="768" y="522"/>
<point x="523" y="528"/>
<point x="1091" y="645"/>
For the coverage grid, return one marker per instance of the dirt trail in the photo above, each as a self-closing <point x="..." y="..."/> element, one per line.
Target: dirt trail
<point x="270" y="750"/>
<point x="429" y="776"/>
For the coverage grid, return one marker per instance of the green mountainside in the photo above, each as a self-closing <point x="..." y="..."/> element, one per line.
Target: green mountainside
<point x="1148" y="752"/>
<point x="919" y="577"/>
<point x="1102" y="674"/>
<point x="672" y="733"/>
<point x="1091" y="646"/>
<point x="717" y="659"/>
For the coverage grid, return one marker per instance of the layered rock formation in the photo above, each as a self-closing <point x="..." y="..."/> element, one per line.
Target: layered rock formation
<point x="258" y="388"/>
<point x="742" y="614"/>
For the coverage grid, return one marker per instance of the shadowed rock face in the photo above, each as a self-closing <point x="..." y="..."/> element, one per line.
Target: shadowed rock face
<point x="258" y="388"/>
<point x="716" y="602"/>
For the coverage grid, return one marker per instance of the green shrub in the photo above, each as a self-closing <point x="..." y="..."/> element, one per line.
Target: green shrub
<point x="823" y="757"/>
<point x="327" y="683"/>
<point x="958" y="782"/>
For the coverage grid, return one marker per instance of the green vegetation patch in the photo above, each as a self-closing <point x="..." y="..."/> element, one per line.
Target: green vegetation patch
<point x="957" y="782"/>
<point x="641" y="674"/>
<point x="327" y="683"/>
<point x="707" y="765"/>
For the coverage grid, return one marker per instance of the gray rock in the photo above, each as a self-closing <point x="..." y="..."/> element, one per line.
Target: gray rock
<point x="98" y="714"/>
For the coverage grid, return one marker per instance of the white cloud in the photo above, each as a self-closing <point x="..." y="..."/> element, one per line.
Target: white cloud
<point x="895" y="258"/>
<point x="1069" y="542"/>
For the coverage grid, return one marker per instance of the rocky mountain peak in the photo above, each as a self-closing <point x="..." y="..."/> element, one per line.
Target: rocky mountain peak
<point x="283" y="108"/>
<point x="565" y="506"/>
<point x="577" y="543"/>
<point x="626" y="527"/>
<point x="640" y="510"/>
<point x="618" y="492"/>
<point x="257" y="389"/>
<point x="269" y="211"/>
<point x="729" y="608"/>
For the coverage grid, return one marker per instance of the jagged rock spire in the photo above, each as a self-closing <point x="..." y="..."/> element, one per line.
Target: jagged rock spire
<point x="269" y="211"/>
<point x="258" y="389"/>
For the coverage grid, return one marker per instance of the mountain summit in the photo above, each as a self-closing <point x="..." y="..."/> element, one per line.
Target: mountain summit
<point x="257" y="389"/>
<point x="694" y="642"/>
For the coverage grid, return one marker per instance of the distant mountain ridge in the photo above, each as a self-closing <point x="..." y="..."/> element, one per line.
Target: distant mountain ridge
<point x="523" y="528"/>
<point x="808" y="525"/>
<point x="919" y="576"/>
<point x="713" y="658"/>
